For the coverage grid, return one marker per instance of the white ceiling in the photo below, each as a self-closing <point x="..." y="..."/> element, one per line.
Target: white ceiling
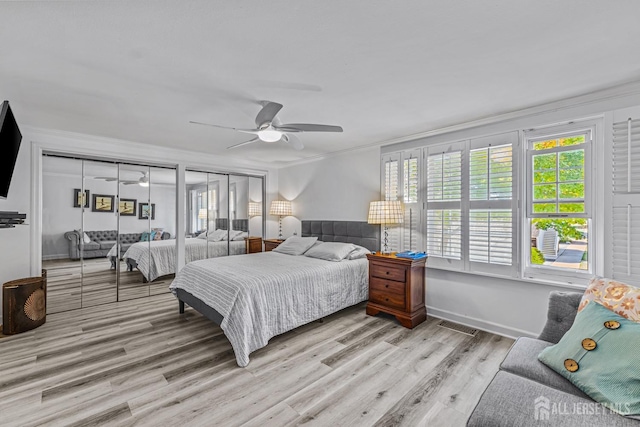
<point x="140" y="70"/>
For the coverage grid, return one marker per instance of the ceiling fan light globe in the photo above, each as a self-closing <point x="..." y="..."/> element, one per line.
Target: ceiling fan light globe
<point x="144" y="181"/>
<point x="269" y="135"/>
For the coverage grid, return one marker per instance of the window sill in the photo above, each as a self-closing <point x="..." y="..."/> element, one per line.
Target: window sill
<point x="528" y="280"/>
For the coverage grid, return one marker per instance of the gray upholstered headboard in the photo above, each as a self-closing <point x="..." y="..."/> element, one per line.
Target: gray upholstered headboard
<point x="356" y="232"/>
<point x="236" y="224"/>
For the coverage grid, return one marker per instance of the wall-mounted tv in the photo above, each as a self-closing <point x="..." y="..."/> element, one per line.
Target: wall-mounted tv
<point x="10" y="138"/>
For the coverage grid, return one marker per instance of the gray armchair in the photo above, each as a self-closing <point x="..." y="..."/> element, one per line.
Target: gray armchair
<point x="524" y="390"/>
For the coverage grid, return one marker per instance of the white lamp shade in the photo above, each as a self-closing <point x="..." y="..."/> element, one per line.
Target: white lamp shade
<point x="255" y="209"/>
<point x="386" y="212"/>
<point x="280" y="208"/>
<point x="202" y="214"/>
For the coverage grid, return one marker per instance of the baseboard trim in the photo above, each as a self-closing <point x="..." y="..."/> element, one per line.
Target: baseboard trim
<point x="54" y="257"/>
<point x="476" y="323"/>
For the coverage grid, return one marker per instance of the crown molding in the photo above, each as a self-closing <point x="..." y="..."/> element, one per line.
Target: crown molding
<point x="72" y="143"/>
<point x="625" y="91"/>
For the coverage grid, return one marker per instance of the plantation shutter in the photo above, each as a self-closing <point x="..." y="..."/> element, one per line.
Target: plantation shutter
<point x="492" y="215"/>
<point x="444" y="205"/>
<point x="626" y="202"/>
<point x="391" y="185"/>
<point x="411" y="227"/>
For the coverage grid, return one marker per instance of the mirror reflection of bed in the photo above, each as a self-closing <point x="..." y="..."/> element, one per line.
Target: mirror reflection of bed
<point x="135" y="205"/>
<point x="156" y="258"/>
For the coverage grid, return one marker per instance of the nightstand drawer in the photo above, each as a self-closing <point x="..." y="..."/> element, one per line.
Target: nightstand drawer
<point x="387" y="286"/>
<point x="387" y="299"/>
<point x="386" y="272"/>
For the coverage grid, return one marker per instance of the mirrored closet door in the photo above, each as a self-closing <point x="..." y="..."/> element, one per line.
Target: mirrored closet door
<point x="223" y="215"/>
<point x="108" y="231"/>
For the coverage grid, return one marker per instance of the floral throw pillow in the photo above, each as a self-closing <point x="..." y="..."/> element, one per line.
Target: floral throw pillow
<point x="618" y="297"/>
<point x="158" y="235"/>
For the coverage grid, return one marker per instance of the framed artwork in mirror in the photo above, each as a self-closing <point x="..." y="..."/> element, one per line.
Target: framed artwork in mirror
<point x="79" y="198"/>
<point x="127" y="207"/>
<point x="146" y="211"/>
<point x="102" y="203"/>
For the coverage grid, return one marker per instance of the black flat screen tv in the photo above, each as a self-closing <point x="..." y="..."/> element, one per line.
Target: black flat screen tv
<point x="10" y="138"/>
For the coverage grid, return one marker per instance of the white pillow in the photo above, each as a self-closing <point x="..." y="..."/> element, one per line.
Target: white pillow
<point x="202" y="235"/>
<point x="331" y="251"/>
<point x="295" y="245"/>
<point x="217" y="235"/>
<point x="358" y="252"/>
<point x="235" y="233"/>
<point x="86" y="238"/>
<point x="241" y="236"/>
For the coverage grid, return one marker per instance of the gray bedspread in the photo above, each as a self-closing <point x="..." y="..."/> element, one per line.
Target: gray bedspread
<point x="266" y="294"/>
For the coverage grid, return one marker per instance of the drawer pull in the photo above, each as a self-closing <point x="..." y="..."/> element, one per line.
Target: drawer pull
<point x="386" y="286"/>
<point x="387" y="273"/>
<point x="386" y="299"/>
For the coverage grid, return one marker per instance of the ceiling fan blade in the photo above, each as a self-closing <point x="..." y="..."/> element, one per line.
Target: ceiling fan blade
<point x="225" y="127"/>
<point x="307" y="127"/>
<point x="293" y="141"/>
<point x="129" y="182"/>
<point x="243" y="143"/>
<point x="267" y="113"/>
<point x="106" y="178"/>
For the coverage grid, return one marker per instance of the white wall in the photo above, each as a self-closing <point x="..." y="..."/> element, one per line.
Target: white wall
<point x="15" y="242"/>
<point x="338" y="187"/>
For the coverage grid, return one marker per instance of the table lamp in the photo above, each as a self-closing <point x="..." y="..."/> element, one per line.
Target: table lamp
<point x="386" y="212"/>
<point x="255" y="209"/>
<point x="280" y="208"/>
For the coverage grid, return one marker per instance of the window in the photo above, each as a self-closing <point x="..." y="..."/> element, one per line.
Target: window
<point x="232" y="200"/>
<point x="625" y="252"/>
<point x="411" y="238"/>
<point x="467" y="206"/>
<point x="401" y="181"/>
<point x="444" y="203"/>
<point x="470" y="207"/>
<point x="491" y="206"/>
<point x="558" y="200"/>
<point x="464" y="214"/>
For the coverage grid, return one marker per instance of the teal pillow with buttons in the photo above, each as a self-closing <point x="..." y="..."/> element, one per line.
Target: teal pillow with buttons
<point x="600" y="355"/>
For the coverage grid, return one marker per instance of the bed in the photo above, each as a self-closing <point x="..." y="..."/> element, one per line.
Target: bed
<point x="158" y="257"/>
<point x="255" y="297"/>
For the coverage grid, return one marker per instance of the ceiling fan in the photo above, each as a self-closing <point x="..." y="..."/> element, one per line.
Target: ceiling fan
<point x="143" y="181"/>
<point x="269" y="129"/>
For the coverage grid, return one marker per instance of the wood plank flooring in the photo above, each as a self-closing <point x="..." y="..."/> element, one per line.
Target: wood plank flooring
<point x="75" y="284"/>
<point x="139" y="362"/>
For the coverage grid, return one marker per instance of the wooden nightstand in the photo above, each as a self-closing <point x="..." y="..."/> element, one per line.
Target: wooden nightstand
<point x="254" y="244"/>
<point x="271" y="244"/>
<point x="396" y="286"/>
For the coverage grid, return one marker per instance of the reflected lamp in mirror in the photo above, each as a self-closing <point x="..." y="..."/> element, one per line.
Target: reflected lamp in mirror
<point x="255" y="209"/>
<point x="202" y="214"/>
<point x="386" y="212"/>
<point x="280" y="208"/>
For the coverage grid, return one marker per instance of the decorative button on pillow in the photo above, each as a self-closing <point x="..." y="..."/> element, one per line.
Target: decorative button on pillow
<point x="616" y="296"/>
<point x="600" y="355"/>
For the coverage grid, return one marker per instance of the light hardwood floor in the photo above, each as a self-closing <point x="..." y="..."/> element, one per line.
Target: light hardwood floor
<point x="75" y="284"/>
<point x="139" y="362"/>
